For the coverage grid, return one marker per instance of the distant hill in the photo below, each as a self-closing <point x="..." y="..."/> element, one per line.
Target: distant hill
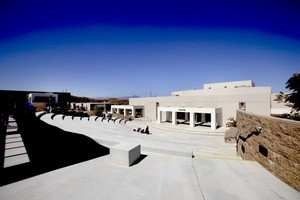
<point x="84" y="99"/>
<point x="121" y="98"/>
<point x="127" y="97"/>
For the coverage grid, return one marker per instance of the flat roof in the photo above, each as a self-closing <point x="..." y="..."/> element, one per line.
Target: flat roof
<point x="189" y="109"/>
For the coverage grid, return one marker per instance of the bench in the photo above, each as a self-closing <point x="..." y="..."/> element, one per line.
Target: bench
<point x="125" y="153"/>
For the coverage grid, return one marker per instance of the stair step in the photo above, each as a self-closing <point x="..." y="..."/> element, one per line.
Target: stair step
<point x="218" y="153"/>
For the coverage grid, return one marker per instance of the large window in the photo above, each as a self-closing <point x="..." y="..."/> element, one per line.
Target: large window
<point x="44" y="99"/>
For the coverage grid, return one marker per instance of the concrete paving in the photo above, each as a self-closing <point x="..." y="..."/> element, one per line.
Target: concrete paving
<point x="165" y="140"/>
<point x="213" y="173"/>
<point x="155" y="177"/>
<point x="16" y="159"/>
<point x="15" y="152"/>
<point x="227" y="179"/>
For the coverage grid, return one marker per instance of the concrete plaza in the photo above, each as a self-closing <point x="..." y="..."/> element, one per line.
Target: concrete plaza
<point x="167" y="171"/>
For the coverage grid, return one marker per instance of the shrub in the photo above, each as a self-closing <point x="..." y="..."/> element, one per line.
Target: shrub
<point x="231" y="122"/>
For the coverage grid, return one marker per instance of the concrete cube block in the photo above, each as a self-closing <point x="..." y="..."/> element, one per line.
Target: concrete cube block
<point x="125" y="153"/>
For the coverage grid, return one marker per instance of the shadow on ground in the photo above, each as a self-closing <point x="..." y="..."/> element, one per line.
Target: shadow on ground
<point x="48" y="148"/>
<point x="140" y="159"/>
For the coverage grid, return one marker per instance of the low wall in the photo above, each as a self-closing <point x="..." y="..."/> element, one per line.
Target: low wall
<point x="276" y="146"/>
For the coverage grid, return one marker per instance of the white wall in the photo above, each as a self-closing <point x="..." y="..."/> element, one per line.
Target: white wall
<point x="258" y="100"/>
<point x="224" y="91"/>
<point x="257" y="103"/>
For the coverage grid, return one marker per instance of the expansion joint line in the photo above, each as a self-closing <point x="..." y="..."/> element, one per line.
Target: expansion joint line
<point x="197" y="179"/>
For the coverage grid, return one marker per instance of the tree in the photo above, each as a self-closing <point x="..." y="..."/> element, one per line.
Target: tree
<point x="281" y="97"/>
<point x="293" y="84"/>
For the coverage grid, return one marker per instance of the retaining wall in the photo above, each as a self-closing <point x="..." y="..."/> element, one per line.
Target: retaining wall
<point x="276" y="146"/>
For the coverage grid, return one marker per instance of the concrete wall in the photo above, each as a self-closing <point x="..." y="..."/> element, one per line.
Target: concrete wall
<point x="258" y="103"/>
<point x="150" y="108"/>
<point x="276" y="146"/>
<point x="224" y="91"/>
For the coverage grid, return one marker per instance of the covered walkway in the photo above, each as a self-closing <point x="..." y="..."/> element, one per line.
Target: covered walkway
<point x="128" y="110"/>
<point x="193" y="115"/>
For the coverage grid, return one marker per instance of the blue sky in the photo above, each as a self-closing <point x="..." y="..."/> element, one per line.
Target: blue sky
<point x="120" y="48"/>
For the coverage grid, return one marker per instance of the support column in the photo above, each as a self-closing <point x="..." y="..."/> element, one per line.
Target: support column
<point x="192" y="119"/>
<point x="202" y="117"/>
<point x="118" y="111"/>
<point x="125" y="114"/>
<point x="213" y="120"/>
<point x="186" y="116"/>
<point x="174" y="117"/>
<point x="133" y="112"/>
<point x="159" y="116"/>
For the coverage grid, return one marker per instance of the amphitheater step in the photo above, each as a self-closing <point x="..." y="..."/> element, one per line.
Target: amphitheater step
<point x="216" y="153"/>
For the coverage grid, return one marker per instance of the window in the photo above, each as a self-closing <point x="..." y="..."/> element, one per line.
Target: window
<point x="263" y="151"/>
<point x="243" y="149"/>
<point x="242" y="105"/>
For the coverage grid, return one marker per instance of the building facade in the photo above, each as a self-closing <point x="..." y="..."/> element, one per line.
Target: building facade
<point x="214" y="104"/>
<point x="43" y="97"/>
<point x="104" y="106"/>
<point x="9" y="99"/>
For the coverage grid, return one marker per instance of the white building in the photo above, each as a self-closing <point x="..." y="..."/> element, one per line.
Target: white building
<point x="212" y="105"/>
<point x="128" y="110"/>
